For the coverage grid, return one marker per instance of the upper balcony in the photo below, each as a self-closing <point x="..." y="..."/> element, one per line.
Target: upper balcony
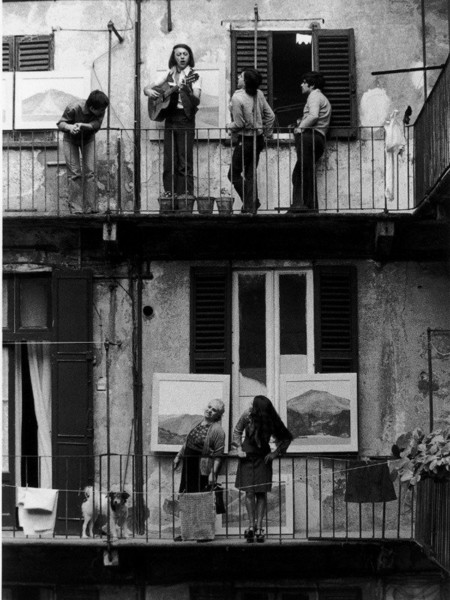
<point x="361" y="186"/>
<point x="354" y="176"/>
<point x="432" y="144"/>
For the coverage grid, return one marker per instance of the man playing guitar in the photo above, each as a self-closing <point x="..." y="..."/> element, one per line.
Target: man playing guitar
<point x="175" y="98"/>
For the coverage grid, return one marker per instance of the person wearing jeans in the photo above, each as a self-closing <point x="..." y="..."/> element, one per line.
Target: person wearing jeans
<point x="253" y="120"/>
<point x="180" y="88"/>
<point x="80" y="122"/>
<point x="309" y="139"/>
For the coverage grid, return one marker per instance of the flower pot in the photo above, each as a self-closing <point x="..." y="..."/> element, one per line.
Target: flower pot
<point x="225" y="205"/>
<point x="166" y="205"/>
<point x="205" y="205"/>
<point x="185" y="204"/>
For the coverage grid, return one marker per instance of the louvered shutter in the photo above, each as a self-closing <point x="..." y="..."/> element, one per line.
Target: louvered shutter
<point x="243" y="57"/>
<point x="72" y="393"/>
<point x="34" y="53"/>
<point x="8" y="53"/>
<point x="336" y="319"/>
<point x="210" y="321"/>
<point x="334" y="57"/>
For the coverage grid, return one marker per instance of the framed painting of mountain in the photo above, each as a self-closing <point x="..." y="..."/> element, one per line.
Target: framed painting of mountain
<point x="178" y="403"/>
<point x="320" y="411"/>
<point x="42" y="96"/>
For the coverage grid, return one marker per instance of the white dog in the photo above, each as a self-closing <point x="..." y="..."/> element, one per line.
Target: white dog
<point x="96" y="503"/>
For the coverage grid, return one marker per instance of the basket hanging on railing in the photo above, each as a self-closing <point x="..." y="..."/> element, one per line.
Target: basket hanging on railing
<point x="198" y="515"/>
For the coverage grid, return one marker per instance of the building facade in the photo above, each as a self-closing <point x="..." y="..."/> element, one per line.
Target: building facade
<point x="99" y="308"/>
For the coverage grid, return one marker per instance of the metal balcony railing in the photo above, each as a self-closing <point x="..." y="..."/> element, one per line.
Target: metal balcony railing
<point x="432" y="137"/>
<point x="307" y="501"/>
<point x="354" y="175"/>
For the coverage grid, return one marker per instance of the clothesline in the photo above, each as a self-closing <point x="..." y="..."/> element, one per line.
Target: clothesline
<point x="229" y="488"/>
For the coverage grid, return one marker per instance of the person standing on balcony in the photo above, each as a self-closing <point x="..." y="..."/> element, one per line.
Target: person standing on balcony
<point x="251" y="437"/>
<point x="80" y="122"/>
<point x="253" y="121"/>
<point x="309" y="137"/>
<point x="175" y="98"/>
<point x="202" y="451"/>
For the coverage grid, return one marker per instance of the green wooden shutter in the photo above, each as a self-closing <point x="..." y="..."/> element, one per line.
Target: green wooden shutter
<point x="336" y="340"/>
<point x="34" y="53"/>
<point x="243" y="57"/>
<point x="8" y="53"/>
<point x="72" y="393"/>
<point x="210" y="321"/>
<point x="334" y="57"/>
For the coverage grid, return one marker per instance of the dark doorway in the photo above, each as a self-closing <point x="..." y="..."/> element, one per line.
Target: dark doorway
<point x="291" y="58"/>
<point x="30" y="461"/>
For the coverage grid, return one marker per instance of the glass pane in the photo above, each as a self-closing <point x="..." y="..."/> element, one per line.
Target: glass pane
<point x="252" y="335"/>
<point x="6" y="324"/>
<point x="34" y="297"/>
<point x="293" y="340"/>
<point x="5" y="408"/>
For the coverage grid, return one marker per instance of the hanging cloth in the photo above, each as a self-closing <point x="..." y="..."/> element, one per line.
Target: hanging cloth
<point x="395" y="142"/>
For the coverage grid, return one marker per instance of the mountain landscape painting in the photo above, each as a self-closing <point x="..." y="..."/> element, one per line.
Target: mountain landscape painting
<point x="41" y="97"/>
<point x="320" y="411"/>
<point x="179" y="401"/>
<point x="173" y="429"/>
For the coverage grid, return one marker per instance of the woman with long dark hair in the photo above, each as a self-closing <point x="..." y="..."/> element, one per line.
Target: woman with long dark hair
<point x="252" y="118"/>
<point x="251" y="438"/>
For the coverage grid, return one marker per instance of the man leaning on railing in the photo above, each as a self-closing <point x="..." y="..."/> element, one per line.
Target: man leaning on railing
<point x="309" y="138"/>
<point x="80" y="122"/>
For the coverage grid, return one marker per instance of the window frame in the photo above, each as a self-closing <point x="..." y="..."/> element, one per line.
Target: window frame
<point x="272" y="323"/>
<point x="14" y="331"/>
<point x="337" y="130"/>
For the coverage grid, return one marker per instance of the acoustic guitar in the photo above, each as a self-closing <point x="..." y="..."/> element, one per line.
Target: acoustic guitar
<point x="157" y="106"/>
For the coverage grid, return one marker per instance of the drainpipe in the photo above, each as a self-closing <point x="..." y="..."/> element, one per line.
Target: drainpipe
<point x="137" y="111"/>
<point x="135" y="283"/>
<point x="424" y="52"/>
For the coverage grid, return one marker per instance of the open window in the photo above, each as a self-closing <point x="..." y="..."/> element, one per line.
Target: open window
<point x="332" y="52"/>
<point x="259" y="324"/>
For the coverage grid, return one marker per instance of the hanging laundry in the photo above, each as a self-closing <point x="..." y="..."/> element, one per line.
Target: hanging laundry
<point x="37" y="510"/>
<point x="369" y="482"/>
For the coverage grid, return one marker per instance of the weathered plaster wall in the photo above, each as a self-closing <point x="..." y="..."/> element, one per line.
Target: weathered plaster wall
<point x="387" y="34"/>
<point x="396" y="302"/>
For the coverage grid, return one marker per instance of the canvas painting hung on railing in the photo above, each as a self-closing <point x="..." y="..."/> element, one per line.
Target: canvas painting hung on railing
<point x="320" y="411"/>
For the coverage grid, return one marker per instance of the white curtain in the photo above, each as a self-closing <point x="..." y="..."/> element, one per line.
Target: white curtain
<point x="40" y="373"/>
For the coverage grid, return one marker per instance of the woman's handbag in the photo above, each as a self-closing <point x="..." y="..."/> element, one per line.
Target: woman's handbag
<point x="218" y="497"/>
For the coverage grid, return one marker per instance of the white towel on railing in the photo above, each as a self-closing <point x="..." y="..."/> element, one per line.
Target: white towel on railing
<point x="37" y="509"/>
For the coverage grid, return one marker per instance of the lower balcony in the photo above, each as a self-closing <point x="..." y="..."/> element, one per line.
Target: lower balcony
<point x="311" y="499"/>
<point x="312" y="531"/>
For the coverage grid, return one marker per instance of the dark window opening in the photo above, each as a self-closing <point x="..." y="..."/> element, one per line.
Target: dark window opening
<point x="288" y="102"/>
<point x="30" y="466"/>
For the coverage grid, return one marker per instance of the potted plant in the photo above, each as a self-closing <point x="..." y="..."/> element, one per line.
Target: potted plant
<point x="424" y="456"/>
<point x="166" y="203"/>
<point x="225" y="202"/>
<point x="185" y="203"/>
<point x="424" y="463"/>
<point x="205" y="205"/>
